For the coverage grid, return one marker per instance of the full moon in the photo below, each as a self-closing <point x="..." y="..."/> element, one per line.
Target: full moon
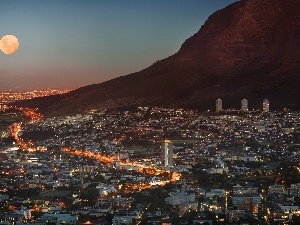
<point x="9" y="44"/>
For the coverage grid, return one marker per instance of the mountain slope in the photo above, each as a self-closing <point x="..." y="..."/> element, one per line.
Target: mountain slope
<point x="250" y="49"/>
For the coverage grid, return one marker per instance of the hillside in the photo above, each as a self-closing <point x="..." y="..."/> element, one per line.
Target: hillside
<point x="250" y="49"/>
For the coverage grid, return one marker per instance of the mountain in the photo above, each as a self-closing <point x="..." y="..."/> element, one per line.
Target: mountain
<point x="250" y="49"/>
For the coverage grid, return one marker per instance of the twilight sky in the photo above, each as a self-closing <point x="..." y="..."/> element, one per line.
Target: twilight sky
<point x="73" y="43"/>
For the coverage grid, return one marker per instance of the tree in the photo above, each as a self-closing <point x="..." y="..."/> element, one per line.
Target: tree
<point x="89" y="194"/>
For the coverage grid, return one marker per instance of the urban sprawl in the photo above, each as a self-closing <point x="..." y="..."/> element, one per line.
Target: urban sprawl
<point x="151" y="165"/>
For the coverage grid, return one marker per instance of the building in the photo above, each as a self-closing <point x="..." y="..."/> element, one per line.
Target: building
<point x="24" y="211"/>
<point x="215" y="192"/>
<point x="244" y="105"/>
<point x="219" y="105"/>
<point x="12" y="218"/>
<point x="246" y="198"/>
<point x="277" y="189"/>
<point x="168" y="153"/>
<point x="104" y="204"/>
<point x="183" y="200"/>
<point x="249" y="202"/>
<point x="124" y="220"/>
<point x="121" y="204"/>
<point x="235" y="215"/>
<point x="57" y="218"/>
<point x="294" y="190"/>
<point x="266" y="106"/>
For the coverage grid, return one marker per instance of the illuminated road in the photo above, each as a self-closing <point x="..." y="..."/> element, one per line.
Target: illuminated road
<point x="175" y="176"/>
<point x="33" y="116"/>
<point x="30" y="114"/>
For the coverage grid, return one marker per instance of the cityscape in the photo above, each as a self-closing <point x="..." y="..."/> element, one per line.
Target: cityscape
<point x="150" y="112"/>
<point x="151" y="165"/>
<point x="13" y="96"/>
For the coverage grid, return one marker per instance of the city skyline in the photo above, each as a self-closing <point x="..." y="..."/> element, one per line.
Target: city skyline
<point x="65" y="44"/>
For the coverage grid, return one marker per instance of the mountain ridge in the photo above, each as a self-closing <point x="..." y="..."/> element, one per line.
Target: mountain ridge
<point x="246" y="50"/>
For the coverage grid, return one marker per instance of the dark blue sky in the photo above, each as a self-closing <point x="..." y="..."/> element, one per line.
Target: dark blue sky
<point x="73" y="43"/>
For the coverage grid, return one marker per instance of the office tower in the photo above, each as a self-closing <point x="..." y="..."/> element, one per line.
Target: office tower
<point x="218" y="105"/>
<point x="244" y="105"/>
<point x="266" y="106"/>
<point x="167" y="153"/>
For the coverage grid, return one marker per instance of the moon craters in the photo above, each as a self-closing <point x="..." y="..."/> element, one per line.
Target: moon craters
<point x="9" y="44"/>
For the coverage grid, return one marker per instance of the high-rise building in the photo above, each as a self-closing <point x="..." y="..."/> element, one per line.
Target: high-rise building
<point x="266" y="106"/>
<point x="167" y="153"/>
<point x="244" y="105"/>
<point x="219" y="105"/>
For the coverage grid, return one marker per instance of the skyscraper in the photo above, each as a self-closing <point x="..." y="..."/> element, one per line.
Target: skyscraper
<point x="219" y="105"/>
<point x="167" y="153"/>
<point x="244" y="105"/>
<point x="266" y="106"/>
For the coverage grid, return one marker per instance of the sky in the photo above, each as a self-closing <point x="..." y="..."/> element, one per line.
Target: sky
<point x="74" y="43"/>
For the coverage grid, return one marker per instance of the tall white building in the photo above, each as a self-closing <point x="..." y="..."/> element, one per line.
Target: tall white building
<point x="244" y="105"/>
<point x="266" y="106"/>
<point x="168" y="153"/>
<point x="219" y="105"/>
